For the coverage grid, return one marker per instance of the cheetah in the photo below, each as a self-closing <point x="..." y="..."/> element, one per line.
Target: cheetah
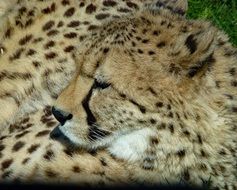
<point x="143" y="96"/>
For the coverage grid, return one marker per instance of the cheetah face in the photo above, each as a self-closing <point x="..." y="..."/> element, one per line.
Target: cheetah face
<point x="133" y="77"/>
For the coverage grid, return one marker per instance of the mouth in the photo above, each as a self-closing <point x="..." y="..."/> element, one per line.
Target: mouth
<point x="57" y="134"/>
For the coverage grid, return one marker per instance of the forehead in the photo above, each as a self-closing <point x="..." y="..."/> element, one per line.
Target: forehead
<point x="137" y="46"/>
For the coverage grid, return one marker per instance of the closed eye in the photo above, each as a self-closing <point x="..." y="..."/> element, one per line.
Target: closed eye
<point x="101" y="85"/>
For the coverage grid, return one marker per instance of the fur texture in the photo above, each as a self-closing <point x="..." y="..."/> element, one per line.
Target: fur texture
<point x="152" y="95"/>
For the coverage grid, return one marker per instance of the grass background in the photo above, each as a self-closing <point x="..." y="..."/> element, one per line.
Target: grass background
<point x="223" y="13"/>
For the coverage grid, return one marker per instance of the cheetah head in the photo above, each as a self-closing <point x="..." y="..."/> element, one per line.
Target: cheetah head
<point x="137" y="76"/>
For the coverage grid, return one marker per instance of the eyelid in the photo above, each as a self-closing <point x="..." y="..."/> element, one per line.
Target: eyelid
<point x="101" y="85"/>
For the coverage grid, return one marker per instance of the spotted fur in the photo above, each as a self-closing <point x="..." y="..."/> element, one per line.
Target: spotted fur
<point x="151" y="95"/>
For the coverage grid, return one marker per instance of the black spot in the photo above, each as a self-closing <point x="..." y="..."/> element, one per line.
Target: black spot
<point x="49" y="155"/>
<point x="186" y="175"/>
<point x="49" y="9"/>
<point x="60" y="24"/>
<point x="92" y="27"/>
<point x="76" y="169"/>
<point x="22" y="10"/>
<point x="69" y="12"/>
<point x="42" y="133"/>
<point x="18" y="145"/>
<point x="105" y="50"/>
<point x="65" y="2"/>
<point x="69" y="152"/>
<point x="124" y="10"/>
<point x="102" y="16"/>
<point x="92" y="152"/>
<point x="156" y="33"/>
<point x="82" y="4"/>
<point x="74" y="24"/>
<point x="191" y="43"/>
<point x="49" y="44"/>
<point x="161" y="44"/>
<point x="48" y="25"/>
<point x="29" y="22"/>
<point x="109" y="3"/>
<point x="33" y="148"/>
<point x="171" y="128"/>
<point x="159" y="104"/>
<point x="26" y="39"/>
<point x="52" y="32"/>
<point x="186" y="133"/>
<point x="6" y="163"/>
<point x="132" y="5"/>
<point x="21" y="134"/>
<point x="171" y="115"/>
<point x="199" y="139"/>
<point x="6" y="174"/>
<point x="17" y="54"/>
<point x="145" y="41"/>
<point x="154" y="141"/>
<point x="36" y="64"/>
<point x="51" y="174"/>
<point x="203" y="153"/>
<point x="70" y="35"/>
<point x="90" y="8"/>
<point x="68" y="49"/>
<point x="50" y="55"/>
<point x="151" y="52"/>
<point x="30" y="52"/>
<point x="8" y="33"/>
<point x="234" y="83"/>
<point x="140" y="51"/>
<point x="36" y="40"/>
<point x="25" y="161"/>
<point x="153" y="121"/>
<point x="181" y="153"/>
<point x="3" y="137"/>
<point x="162" y="126"/>
<point x="232" y="71"/>
<point x="2" y="147"/>
<point x="234" y="109"/>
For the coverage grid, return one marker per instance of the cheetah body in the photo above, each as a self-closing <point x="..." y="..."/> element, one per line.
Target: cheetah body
<point x="164" y="100"/>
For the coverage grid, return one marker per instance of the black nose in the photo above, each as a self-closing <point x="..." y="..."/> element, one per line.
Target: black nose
<point x="61" y="116"/>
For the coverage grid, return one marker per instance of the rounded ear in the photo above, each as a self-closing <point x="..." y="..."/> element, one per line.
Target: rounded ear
<point x="179" y="7"/>
<point x="193" y="50"/>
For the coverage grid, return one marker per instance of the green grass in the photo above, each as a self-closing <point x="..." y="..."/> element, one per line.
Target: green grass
<point x="223" y="13"/>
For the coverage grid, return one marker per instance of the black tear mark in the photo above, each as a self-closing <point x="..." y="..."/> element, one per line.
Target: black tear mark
<point x="201" y="65"/>
<point x="85" y="103"/>
<point x="191" y="43"/>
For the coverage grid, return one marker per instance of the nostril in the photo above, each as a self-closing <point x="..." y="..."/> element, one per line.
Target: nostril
<point x="61" y="116"/>
<point x="69" y="117"/>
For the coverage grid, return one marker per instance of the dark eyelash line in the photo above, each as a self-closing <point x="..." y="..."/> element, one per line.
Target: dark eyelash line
<point x="101" y="85"/>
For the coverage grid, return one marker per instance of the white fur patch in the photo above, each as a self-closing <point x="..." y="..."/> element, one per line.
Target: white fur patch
<point x="133" y="145"/>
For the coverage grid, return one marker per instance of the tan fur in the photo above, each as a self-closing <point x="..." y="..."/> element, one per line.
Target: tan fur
<point x="170" y="108"/>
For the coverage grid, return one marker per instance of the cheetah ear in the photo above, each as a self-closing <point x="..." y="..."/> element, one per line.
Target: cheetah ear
<point x="192" y="51"/>
<point x="176" y="6"/>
